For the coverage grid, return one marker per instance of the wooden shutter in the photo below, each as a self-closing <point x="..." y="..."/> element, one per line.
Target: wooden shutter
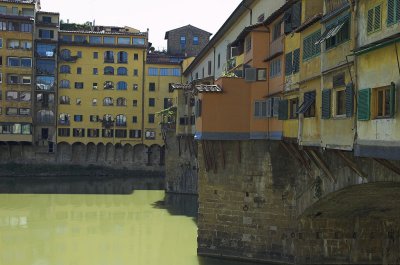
<point x="283" y="109"/>
<point x="296" y="61"/>
<point x="287" y="20"/>
<point x="391" y="18"/>
<point x="349" y="100"/>
<point x="370" y="24"/>
<point x="392" y="99"/>
<point x="377" y="17"/>
<point x="364" y="102"/>
<point x="288" y="64"/>
<point x="339" y="80"/>
<point x="326" y="103"/>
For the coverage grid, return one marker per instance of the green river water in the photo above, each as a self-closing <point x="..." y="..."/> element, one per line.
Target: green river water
<point x="141" y="228"/>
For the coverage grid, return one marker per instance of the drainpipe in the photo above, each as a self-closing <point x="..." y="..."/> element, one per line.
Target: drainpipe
<point x="355" y="84"/>
<point x="143" y="88"/>
<point x="251" y="14"/>
<point x="214" y="65"/>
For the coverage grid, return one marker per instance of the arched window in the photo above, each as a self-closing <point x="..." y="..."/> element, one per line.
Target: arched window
<point x="64" y="119"/>
<point x="64" y="84"/>
<point x="108" y="57"/>
<point x="109" y="70"/>
<point x="120" y="120"/>
<point x="122" y="57"/>
<point x="108" y="85"/>
<point x="121" y="102"/>
<point x="65" y="69"/>
<point x="108" y="101"/>
<point x="121" y="85"/>
<point x="65" y="54"/>
<point x="122" y="71"/>
<point x="45" y="116"/>
<point x="65" y="100"/>
<point x="108" y="117"/>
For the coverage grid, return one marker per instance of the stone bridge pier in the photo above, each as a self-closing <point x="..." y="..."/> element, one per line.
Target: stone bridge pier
<point x="272" y="202"/>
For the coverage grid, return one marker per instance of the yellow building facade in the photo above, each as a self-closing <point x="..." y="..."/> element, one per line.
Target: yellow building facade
<point x="100" y="87"/>
<point x="16" y="70"/>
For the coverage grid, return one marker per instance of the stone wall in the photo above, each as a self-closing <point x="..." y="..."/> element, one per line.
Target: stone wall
<point x="138" y="157"/>
<point x="243" y="208"/>
<point x="181" y="164"/>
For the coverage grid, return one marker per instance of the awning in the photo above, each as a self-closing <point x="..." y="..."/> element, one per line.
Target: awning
<point x="329" y="33"/>
<point x="309" y="99"/>
<point x="208" y="88"/>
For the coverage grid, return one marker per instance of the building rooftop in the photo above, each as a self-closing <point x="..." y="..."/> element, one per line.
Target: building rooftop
<point x="185" y="27"/>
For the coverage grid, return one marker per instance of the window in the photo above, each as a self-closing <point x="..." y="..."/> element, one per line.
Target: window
<point x="26" y="80"/>
<point x="94" y="118"/>
<point x="135" y="87"/>
<point x="275" y="68"/>
<point x="342" y="35"/>
<point x="45" y="83"/>
<point x="164" y="72"/>
<point x="45" y="50"/>
<point x="138" y="41"/>
<point x="46" y="20"/>
<point x="12" y="95"/>
<point x="122" y="71"/>
<point x="152" y="86"/>
<point x="124" y="40"/>
<point x="108" y="85"/>
<point x="65" y="69"/>
<point x="248" y="43"/>
<point x="1" y="43"/>
<point x="94" y="102"/>
<point x="107" y="133"/>
<point x="121" y="102"/>
<point x="64" y="100"/>
<point x="78" y="101"/>
<point x="183" y="42"/>
<point x="11" y="111"/>
<point x="108" y="101"/>
<point x="167" y="103"/>
<point x="293" y="107"/>
<point x="46" y="34"/>
<point x="122" y="57"/>
<point x="78" y="132"/>
<point x="151" y="118"/>
<point x="308" y="106"/>
<point x="79" y="85"/>
<point x="79" y="54"/>
<point x="26" y="45"/>
<point x="292" y="62"/>
<point x="120" y="133"/>
<point x="385" y="98"/>
<point x="152" y="102"/>
<point x="65" y="54"/>
<point x="24" y="111"/>
<point x="134" y="103"/>
<point x="195" y="40"/>
<point x="120" y="120"/>
<point x="95" y="55"/>
<point x="95" y="40"/>
<point x="109" y="40"/>
<point x="374" y="19"/>
<point x="176" y="72"/>
<point x="108" y="57"/>
<point x="13" y="44"/>
<point x="134" y="119"/>
<point x="64" y="84"/>
<point x="13" y="61"/>
<point x="261" y="74"/>
<point x="277" y="30"/>
<point x="64" y="132"/>
<point x="64" y="119"/>
<point x="135" y="72"/>
<point x="45" y="116"/>
<point x="121" y="85"/>
<point x="153" y="71"/>
<point x="95" y="71"/>
<point x="108" y="70"/>
<point x="135" y="56"/>
<point x="340" y="102"/>
<point x="135" y="133"/>
<point x="26" y="62"/>
<point x="94" y="86"/>
<point x="80" y="38"/>
<point x="310" y="49"/>
<point x="150" y="135"/>
<point x="209" y="68"/>
<point x="78" y="118"/>
<point x="393" y="15"/>
<point x="66" y="38"/>
<point x="79" y="70"/>
<point x="219" y="61"/>
<point x="93" y="133"/>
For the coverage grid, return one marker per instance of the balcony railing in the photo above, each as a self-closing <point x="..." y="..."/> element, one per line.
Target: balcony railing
<point x="69" y="59"/>
<point x="63" y="122"/>
<point x="109" y="60"/>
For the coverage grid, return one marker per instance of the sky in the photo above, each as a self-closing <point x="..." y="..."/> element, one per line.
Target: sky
<point x="159" y="16"/>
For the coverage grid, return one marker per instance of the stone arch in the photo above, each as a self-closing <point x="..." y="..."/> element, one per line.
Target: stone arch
<point x="64" y="152"/>
<point x="101" y="152"/>
<point x="110" y="149"/>
<point x="91" y="152"/>
<point x="154" y="156"/>
<point x="128" y="153"/>
<point x="118" y="153"/>
<point x="78" y="152"/>
<point x="140" y="154"/>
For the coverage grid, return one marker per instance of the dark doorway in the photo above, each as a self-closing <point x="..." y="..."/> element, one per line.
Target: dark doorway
<point x="45" y="133"/>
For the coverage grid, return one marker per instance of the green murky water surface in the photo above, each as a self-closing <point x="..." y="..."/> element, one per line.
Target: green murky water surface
<point x="58" y="229"/>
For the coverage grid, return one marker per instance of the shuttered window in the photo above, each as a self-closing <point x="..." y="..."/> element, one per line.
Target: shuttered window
<point x="374" y="19"/>
<point x="385" y="98"/>
<point x="296" y="61"/>
<point x="364" y="102"/>
<point x="292" y="62"/>
<point x="283" y="109"/>
<point x="288" y="64"/>
<point x="349" y="100"/>
<point x="308" y="106"/>
<point x="310" y="49"/>
<point x="326" y="103"/>
<point x="393" y="8"/>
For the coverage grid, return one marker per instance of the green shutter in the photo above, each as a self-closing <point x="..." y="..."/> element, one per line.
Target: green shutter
<point x="391" y="12"/>
<point x="349" y="100"/>
<point x="283" y="109"/>
<point x="326" y="104"/>
<point x="363" y="107"/>
<point x="397" y="10"/>
<point x="296" y="61"/>
<point x="288" y="64"/>
<point x="370" y="25"/>
<point x="377" y="19"/>
<point x="392" y="99"/>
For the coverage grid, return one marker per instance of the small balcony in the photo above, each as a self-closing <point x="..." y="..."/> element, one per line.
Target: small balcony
<point x="276" y="46"/>
<point x="109" y="60"/>
<point x="69" y="59"/>
<point x="64" y="122"/>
